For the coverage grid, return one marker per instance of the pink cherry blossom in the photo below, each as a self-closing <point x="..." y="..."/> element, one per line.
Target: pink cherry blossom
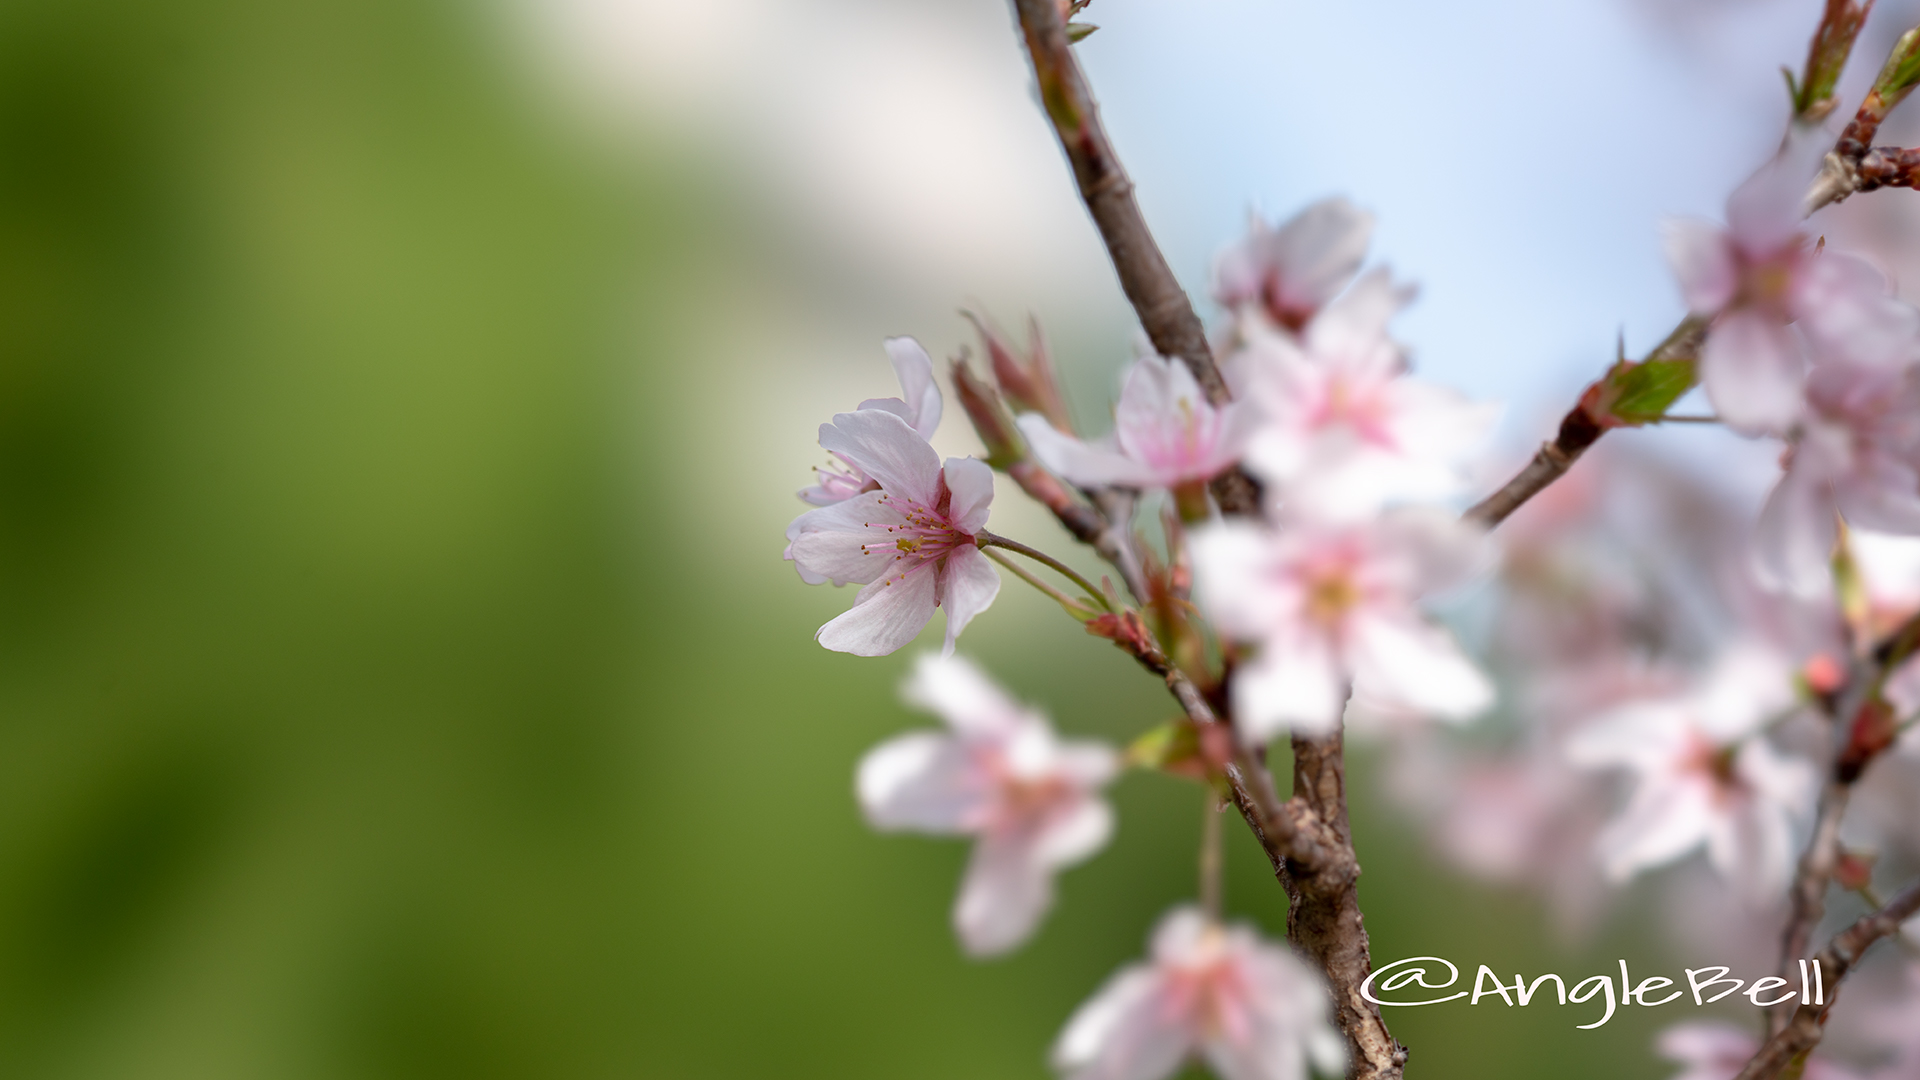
<point x="1343" y="429"/>
<point x="1856" y="454"/>
<point x="1165" y="434"/>
<point x="913" y="542"/>
<point x="1717" y="1050"/>
<point x="1705" y="773"/>
<point x="1248" y="1008"/>
<point x="1328" y="604"/>
<point x="999" y="774"/>
<point x="1760" y="274"/>
<point x="1283" y="276"/>
<point x="919" y="405"/>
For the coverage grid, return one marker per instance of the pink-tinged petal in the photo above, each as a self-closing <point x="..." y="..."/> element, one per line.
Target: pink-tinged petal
<point x="1752" y="368"/>
<point x="1749" y="685"/>
<point x="832" y="543"/>
<point x="1711" y="1049"/>
<point x="1666" y="818"/>
<point x="1293" y="685"/>
<point x="1003" y="897"/>
<point x="1437" y="422"/>
<point x="957" y="691"/>
<point x="1318" y="252"/>
<point x="1080" y="463"/>
<point x="1793" y="537"/>
<point x="922" y="395"/>
<point x="1764" y="213"/>
<point x="1849" y="313"/>
<point x="1441" y="550"/>
<point x="1074" y="834"/>
<point x="885" y="448"/>
<point x="1703" y="259"/>
<point x="1642" y="735"/>
<point x="922" y="781"/>
<point x="1404" y="662"/>
<point x="1124" y="1032"/>
<point x="1087" y="764"/>
<point x="1355" y="325"/>
<point x="885" y="615"/>
<point x="1785" y="780"/>
<point x="970" y="481"/>
<point x="1750" y="844"/>
<point x="968" y="584"/>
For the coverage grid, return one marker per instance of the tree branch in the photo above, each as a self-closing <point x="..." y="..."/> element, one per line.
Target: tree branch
<point x="1801" y="1034"/>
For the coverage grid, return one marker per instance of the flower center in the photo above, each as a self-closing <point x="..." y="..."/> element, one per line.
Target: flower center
<point x="926" y="535"/>
<point x="1330" y="595"/>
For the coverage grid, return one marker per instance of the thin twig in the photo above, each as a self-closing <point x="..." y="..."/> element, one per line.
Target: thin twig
<point x="1034" y="580"/>
<point x="1801" y="1034"/>
<point x="988" y="539"/>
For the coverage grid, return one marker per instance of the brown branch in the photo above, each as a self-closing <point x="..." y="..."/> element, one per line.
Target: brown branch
<point x="1861" y="733"/>
<point x="1800" y="1035"/>
<point x="1324" y="918"/>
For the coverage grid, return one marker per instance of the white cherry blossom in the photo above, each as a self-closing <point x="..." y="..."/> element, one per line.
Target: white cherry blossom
<point x="1717" y="1050"/>
<point x="1249" y="1009"/>
<point x="1328" y="604"/>
<point x="919" y="405"/>
<point x="1343" y="430"/>
<point x="998" y="774"/>
<point x="1705" y="774"/>
<point x="912" y="542"/>
<point x="1283" y="276"/>
<point x="1857" y="455"/>
<point x="1165" y="434"/>
<point x="1761" y="273"/>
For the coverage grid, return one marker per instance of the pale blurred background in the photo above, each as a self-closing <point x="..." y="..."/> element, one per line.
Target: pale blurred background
<point x="401" y="400"/>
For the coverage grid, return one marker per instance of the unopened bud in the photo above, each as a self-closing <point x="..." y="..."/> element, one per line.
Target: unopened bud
<point x="1900" y="73"/>
<point x="1823" y="675"/>
<point x="1872" y="730"/>
<point x="990" y="419"/>
<point x="1854" y="869"/>
<point x="1028" y="383"/>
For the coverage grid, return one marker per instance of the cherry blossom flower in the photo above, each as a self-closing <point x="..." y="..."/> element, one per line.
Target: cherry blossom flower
<point x="1249" y="1008"/>
<point x="1165" y="434"/>
<point x="1716" y="1050"/>
<point x="1706" y="774"/>
<point x="913" y="542"/>
<point x="998" y="774"/>
<point x="1857" y="455"/>
<point x="919" y="405"/>
<point x="1285" y="275"/>
<point x="1328" y="604"/>
<point x="1758" y="275"/>
<point x="1343" y="430"/>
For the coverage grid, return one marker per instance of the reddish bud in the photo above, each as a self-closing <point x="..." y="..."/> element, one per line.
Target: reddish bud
<point x="1127" y="630"/>
<point x="1823" y="674"/>
<point x="1872" y="731"/>
<point x="1028" y="383"/>
<point x="997" y="432"/>
<point x="1854" y="869"/>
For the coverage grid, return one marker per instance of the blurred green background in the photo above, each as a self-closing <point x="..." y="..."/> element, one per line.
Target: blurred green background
<point x="399" y="676"/>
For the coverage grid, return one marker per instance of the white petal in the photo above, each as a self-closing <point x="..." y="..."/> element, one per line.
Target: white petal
<point x="1405" y="662"/>
<point x="885" y="615"/>
<point x="1666" y="818"/>
<point x="1442" y="550"/>
<point x="922" y="395"/>
<point x="1291" y="685"/>
<point x="1356" y="323"/>
<point x="1231" y="562"/>
<point x="1002" y="898"/>
<point x="961" y="694"/>
<point x="1319" y="250"/>
<point x="1794" y="535"/>
<point x="1702" y="258"/>
<point x="922" y="781"/>
<point x="1641" y="735"/>
<point x="968" y="584"/>
<point x="1123" y="1032"/>
<point x="1848" y="312"/>
<point x="1752" y="369"/>
<point x="885" y="448"/>
<point x="831" y="542"/>
<point x="970" y="481"/>
<point x="1077" y="462"/>
<point x="1764" y="212"/>
<point x="1074" y="834"/>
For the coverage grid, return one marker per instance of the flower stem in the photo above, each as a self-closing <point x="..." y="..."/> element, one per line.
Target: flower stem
<point x="1074" y="607"/>
<point x="1210" y="876"/>
<point x="988" y="540"/>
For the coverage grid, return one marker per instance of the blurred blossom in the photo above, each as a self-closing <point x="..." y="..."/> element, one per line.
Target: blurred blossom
<point x="1249" y="1009"/>
<point x="919" y="405"/>
<point x="1327" y="605"/>
<point x="1705" y="773"/>
<point x="1283" y="276"/>
<point x="1000" y="775"/>
<point x="1716" y="1050"/>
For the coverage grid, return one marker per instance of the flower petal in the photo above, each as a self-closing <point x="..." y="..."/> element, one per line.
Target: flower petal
<point x="830" y="543"/>
<point x="1793" y="537"/>
<point x="1752" y="369"/>
<point x="1703" y="260"/>
<point x="1004" y="895"/>
<point x="1075" y="833"/>
<point x="1317" y="252"/>
<point x="1666" y="818"/>
<point x="1123" y="1032"/>
<point x="922" y="395"/>
<point x="1402" y="661"/>
<point x="885" y="615"/>
<point x="922" y="781"/>
<point x="1849" y="313"/>
<point x="885" y="448"/>
<point x="968" y="584"/>
<point x="956" y="690"/>
<point x="970" y="483"/>
<point x="1080" y="463"/>
<point x="1291" y="685"/>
